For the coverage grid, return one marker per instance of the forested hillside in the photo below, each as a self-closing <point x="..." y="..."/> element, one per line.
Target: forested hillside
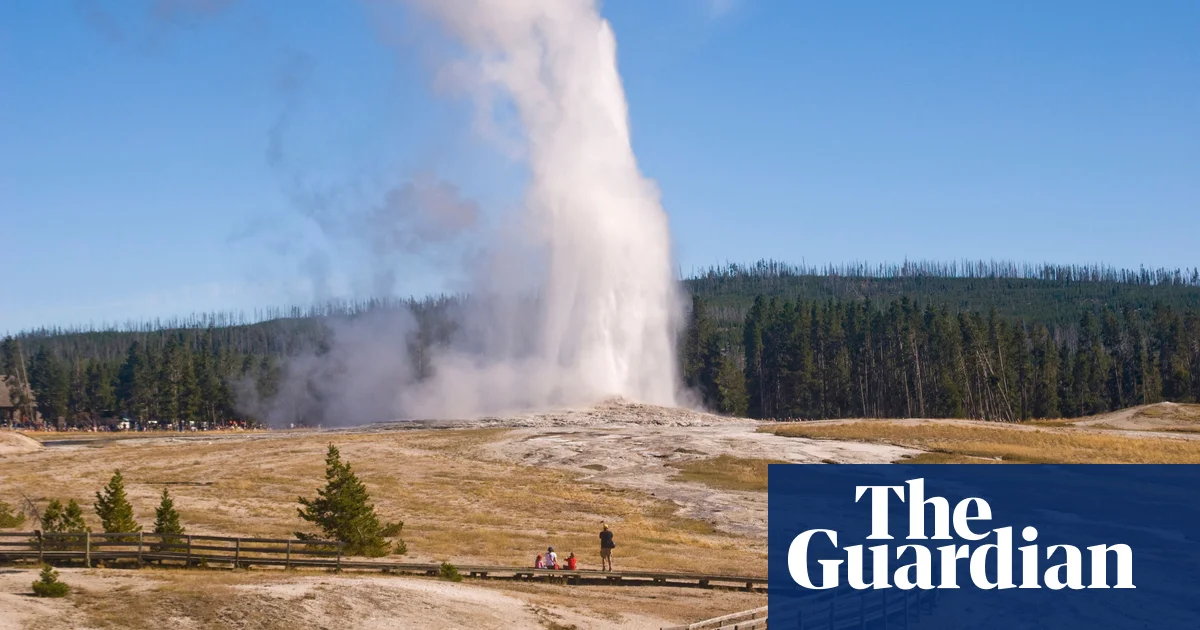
<point x="842" y="358"/>
<point x="985" y="340"/>
<point x="1043" y="294"/>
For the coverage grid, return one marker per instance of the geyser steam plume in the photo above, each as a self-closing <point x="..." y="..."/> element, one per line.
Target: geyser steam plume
<point x="575" y="299"/>
<point x="607" y="304"/>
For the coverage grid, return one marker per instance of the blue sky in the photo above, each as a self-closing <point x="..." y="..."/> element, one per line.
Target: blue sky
<point x="138" y="179"/>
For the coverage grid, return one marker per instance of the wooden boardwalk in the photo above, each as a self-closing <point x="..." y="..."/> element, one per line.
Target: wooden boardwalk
<point x="837" y="609"/>
<point x="211" y="551"/>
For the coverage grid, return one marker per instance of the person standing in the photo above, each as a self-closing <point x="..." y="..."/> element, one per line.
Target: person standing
<point x="606" y="547"/>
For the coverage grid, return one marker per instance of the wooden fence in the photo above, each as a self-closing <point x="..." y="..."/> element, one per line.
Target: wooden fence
<point x="143" y="548"/>
<point x="840" y="609"/>
<point x="846" y="609"/>
<point x="755" y="619"/>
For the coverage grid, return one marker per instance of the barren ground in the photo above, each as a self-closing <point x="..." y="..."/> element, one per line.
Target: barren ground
<point x="111" y="598"/>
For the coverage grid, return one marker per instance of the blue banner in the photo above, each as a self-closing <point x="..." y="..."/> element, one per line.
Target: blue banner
<point x="984" y="546"/>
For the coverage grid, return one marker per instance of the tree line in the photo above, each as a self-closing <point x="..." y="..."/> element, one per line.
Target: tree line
<point x="174" y="380"/>
<point x="972" y="339"/>
<point x="843" y="358"/>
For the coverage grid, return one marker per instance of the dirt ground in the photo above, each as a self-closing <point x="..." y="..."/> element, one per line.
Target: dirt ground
<point x="1166" y="416"/>
<point x="640" y="458"/>
<point x="12" y="443"/>
<point x="111" y="598"/>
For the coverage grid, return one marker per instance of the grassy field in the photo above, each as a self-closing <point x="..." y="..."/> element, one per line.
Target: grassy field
<point x="978" y="442"/>
<point x="726" y="472"/>
<point x="456" y="503"/>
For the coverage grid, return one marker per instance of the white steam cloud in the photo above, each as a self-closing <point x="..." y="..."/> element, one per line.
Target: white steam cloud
<point x="574" y="300"/>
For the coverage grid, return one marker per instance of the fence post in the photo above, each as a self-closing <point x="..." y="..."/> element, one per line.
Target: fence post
<point x="287" y="563"/>
<point x="189" y="553"/>
<point x="41" y="548"/>
<point x="237" y="551"/>
<point x="87" y="549"/>
<point x="139" y="559"/>
<point x="339" y="557"/>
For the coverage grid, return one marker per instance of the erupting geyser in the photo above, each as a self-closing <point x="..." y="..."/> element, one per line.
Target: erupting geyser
<point x="575" y="300"/>
<point x="607" y="303"/>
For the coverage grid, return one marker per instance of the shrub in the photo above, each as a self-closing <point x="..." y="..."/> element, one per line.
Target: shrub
<point x="449" y="572"/>
<point x="48" y="585"/>
<point x="9" y="519"/>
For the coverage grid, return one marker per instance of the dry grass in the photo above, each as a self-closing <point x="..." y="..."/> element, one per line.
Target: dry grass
<point x="726" y="472"/>
<point x="1177" y="413"/>
<point x="960" y="442"/>
<point x="457" y="504"/>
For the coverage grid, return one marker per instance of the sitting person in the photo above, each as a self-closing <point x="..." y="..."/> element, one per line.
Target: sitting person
<point x="551" y="558"/>
<point x="572" y="563"/>
<point x="538" y="564"/>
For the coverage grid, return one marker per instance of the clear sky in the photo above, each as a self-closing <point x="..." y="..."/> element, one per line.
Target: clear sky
<point x="159" y="157"/>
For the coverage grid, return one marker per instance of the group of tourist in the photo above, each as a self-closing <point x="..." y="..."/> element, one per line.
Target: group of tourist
<point x="550" y="560"/>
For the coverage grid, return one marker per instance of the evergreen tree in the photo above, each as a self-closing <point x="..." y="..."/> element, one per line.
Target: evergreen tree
<point x="57" y="519"/>
<point x="343" y="512"/>
<point x="98" y="390"/>
<point x="166" y="521"/>
<point x="77" y="402"/>
<point x="13" y="368"/>
<point x="731" y="385"/>
<point x="753" y="347"/>
<point x="8" y="518"/>
<point x="166" y="518"/>
<point x="48" y="584"/>
<point x="135" y="383"/>
<point x="1045" y="367"/>
<point x="114" y="509"/>
<point x="50" y="383"/>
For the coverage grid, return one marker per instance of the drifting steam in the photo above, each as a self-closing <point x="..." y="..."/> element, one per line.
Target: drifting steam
<point x="574" y="300"/>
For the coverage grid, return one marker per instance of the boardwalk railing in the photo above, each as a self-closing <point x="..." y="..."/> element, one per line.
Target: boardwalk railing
<point x="191" y="550"/>
<point x="143" y="548"/>
<point x="843" y="609"/>
<point x="755" y="619"/>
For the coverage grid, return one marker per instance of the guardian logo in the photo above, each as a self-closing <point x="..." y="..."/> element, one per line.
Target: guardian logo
<point x="970" y="544"/>
<point x="983" y="547"/>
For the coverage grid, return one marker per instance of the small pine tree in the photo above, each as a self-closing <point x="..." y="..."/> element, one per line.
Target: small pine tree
<point x="166" y="520"/>
<point x="449" y="572"/>
<point x="59" y="520"/>
<point x="8" y="518"/>
<point x="48" y="585"/>
<point x="72" y="518"/>
<point x="343" y="511"/>
<point x="113" y="508"/>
